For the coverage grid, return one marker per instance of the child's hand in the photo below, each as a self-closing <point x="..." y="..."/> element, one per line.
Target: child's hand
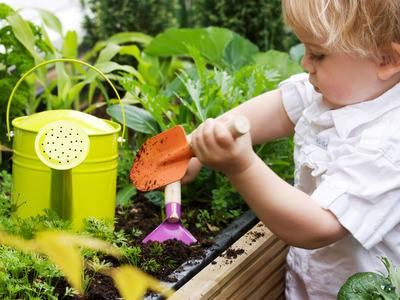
<point x="215" y="146"/>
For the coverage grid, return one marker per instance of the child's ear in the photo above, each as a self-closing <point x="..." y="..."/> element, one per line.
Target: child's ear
<point x="390" y="63"/>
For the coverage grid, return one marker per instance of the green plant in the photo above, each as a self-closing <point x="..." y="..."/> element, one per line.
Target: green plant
<point x="211" y="85"/>
<point x="369" y="285"/>
<point x="259" y="21"/>
<point x="6" y="206"/>
<point x="22" y="45"/>
<point x="109" y="17"/>
<point x="132" y="254"/>
<point x="150" y="265"/>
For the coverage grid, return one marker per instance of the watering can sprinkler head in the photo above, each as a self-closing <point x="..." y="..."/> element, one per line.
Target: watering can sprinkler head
<point x="61" y="145"/>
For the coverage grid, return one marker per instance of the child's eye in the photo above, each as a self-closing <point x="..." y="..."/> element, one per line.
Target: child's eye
<point x="317" y="57"/>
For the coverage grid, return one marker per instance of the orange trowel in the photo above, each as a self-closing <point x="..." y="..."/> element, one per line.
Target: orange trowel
<point x="162" y="161"/>
<point x="164" y="158"/>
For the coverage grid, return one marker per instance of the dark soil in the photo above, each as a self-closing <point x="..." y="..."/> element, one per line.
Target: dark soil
<point x="144" y="216"/>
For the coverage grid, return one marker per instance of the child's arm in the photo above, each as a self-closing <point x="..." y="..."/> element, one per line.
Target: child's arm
<point x="291" y="214"/>
<point x="268" y="120"/>
<point x="288" y="212"/>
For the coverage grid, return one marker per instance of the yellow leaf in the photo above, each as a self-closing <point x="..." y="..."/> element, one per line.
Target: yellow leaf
<point x="65" y="255"/>
<point x="133" y="283"/>
<point x="83" y="241"/>
<point x="63" y="248"/>
<point x="17" y="242"/>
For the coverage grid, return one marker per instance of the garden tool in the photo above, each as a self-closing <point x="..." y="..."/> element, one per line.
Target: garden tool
<point x="172" y="227"/>
<point x="164" y="158"/>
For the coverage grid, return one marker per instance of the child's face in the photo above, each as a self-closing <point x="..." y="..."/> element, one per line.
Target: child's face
<point x="342" y="79"/>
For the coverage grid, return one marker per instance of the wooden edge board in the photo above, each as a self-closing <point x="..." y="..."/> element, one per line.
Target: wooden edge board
<point x="255" y="243"/>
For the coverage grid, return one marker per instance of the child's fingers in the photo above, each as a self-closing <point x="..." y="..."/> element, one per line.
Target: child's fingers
<point x="222" y="135"/>
<point x="208" y="133"/>
<point x="197" y="141"/>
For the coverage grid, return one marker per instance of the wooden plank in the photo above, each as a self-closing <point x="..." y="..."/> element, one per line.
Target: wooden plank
<point x="258" y="276"/>
<point x="259" y="244"/>
<point x="272" y="287"/>
<point x="261" y="268"/>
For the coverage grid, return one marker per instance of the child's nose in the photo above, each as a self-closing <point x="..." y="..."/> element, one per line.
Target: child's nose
<point x="307" y="64"/>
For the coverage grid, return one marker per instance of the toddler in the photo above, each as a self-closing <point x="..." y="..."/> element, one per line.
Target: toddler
<point x="344" y="209"/>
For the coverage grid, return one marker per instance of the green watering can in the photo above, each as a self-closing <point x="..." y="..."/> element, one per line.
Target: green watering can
<point x="65" y="160"/>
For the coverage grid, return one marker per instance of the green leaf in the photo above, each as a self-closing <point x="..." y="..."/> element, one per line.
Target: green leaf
<point x="63" y="85"/>
<point x="130" y="37"/>
<point x="278" y="61"/>
<point x="51" y="20"/>
<point x="131" y="50"/>
<point x="155" y="197"/>
<point x="393" y="274"/>
<point x="367" y="286"/>
<point x="239" y="52"/>
<point x="212" y="42"/>
<point x="137" y="118"/>
<point x="110" y="66"/>
<point x="24" y="34"/>
<point x="70" y="46"/>
<point x="125" y="194"/>
<point x="108" y="53"/>
<point x="5" y="11"/>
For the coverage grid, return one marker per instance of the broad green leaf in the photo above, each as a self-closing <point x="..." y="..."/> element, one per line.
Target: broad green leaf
<point x="70" y="46"/>
<point x="238" y="53"/>
<point x="149" y="67"/>
<point x="130" y="37"/>
<point x="393" y="274"/>
<point x="24" y="35"/>
<point x="137" y="118"/>
<point x="212" y="42"/>
<point x="125" y="194"/>
<point x="365" y="286"/>
<point x="278" y="61"/>
<point x="133" y="283"/>
<point x="51" y="20"/>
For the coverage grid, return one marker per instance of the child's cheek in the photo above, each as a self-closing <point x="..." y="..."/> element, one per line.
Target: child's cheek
<point x="337" y="93"/>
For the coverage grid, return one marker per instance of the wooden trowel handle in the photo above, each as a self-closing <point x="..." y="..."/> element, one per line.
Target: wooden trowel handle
<point x="173" y="201"/>
<point x="237" y="126"/>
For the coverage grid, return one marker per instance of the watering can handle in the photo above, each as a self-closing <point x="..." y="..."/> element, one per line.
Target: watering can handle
<point x="71" y="60"/>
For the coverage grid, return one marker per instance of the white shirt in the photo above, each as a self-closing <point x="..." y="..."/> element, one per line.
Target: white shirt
<point x="348" y="160"/>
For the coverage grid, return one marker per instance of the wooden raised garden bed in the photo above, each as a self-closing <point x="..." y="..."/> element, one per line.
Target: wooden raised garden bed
<point x="252" y="268"/>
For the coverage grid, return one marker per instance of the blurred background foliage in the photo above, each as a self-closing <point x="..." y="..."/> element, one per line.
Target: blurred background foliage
<point x="260" y="21"/>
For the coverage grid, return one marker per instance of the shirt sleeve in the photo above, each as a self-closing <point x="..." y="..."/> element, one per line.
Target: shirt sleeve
<point x="297" y="94"/>
<point x="362" y="189"/>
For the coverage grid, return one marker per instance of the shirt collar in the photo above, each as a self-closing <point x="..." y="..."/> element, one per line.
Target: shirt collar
<point x="352" y="116"/>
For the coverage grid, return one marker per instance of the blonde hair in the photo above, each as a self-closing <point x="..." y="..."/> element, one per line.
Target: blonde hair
<point x="353" y="26"/>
